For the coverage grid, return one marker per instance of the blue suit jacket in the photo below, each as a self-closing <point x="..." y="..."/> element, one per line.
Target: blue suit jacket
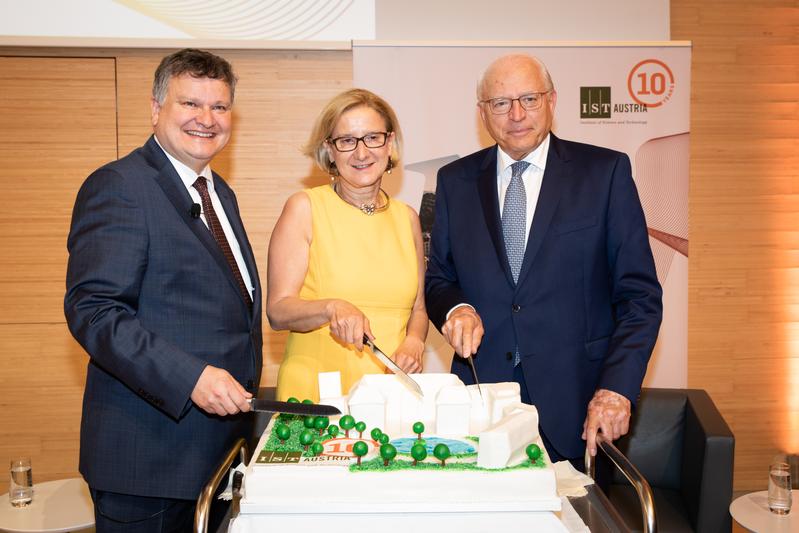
<point x="587" y="307"/>
<point x="152" y="300"/>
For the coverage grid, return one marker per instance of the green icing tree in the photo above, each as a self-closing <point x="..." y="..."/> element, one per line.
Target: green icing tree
<point x="308" y="421"/>
<point x="360" y="427"/>
<point x="419" y="453"/>
<point x="332" y="430"/>
<point x="533" y="452"/>
<point x="317" y="448"/>
<point x="283" y="432"/>
<point x="418" y="428"/>
<point x="441" y="452"/>
<point x="387" y="452"/>
<point x="347" y="422"/>
<point x="359" y="449"/>
<point x="306" y="438"/>
<point x="320" y="423"/>
<point x="307" y="401"/>
<point x="376" y="432"/>
<point x="384" y="438"/>
<point x="285" y="416"/>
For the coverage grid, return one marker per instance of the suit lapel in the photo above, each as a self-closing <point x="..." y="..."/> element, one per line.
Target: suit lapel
<point x="234" y="218"/>
<point x="551" y="187"/>
<point x="487" y="190"/>
<point x="169" y="181"/>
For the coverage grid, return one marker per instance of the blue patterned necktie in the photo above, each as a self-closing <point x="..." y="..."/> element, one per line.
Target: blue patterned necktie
<point x="514" y="218"/>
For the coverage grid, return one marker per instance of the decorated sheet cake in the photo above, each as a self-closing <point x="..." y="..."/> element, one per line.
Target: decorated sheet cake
<point x="455" y="449"/>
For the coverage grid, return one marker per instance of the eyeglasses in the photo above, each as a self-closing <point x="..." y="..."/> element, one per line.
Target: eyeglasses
<point x="349" y="143"/>
<point x="502" y="105"/>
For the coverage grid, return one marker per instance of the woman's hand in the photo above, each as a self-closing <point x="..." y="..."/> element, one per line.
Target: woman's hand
<point x="409" y="355"/>
<point x="347" y="323"/>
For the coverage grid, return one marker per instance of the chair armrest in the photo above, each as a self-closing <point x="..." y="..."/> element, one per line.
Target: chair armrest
<point x="707" y="466"/>
<point x="203" y="510"/>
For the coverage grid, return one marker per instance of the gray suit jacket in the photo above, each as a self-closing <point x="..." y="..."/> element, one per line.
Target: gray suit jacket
<point x="152" y="300"/>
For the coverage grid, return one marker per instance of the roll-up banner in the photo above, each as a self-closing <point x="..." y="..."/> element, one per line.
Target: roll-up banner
<point x="633" y="98"/>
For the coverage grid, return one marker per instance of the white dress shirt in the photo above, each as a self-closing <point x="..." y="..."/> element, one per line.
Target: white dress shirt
<point x="532" y="178"/>
<point x="188" y="177"/>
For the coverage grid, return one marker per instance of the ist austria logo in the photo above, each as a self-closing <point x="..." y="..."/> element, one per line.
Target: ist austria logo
<point x="595" y="102"/>
<point x="651" y="83"/>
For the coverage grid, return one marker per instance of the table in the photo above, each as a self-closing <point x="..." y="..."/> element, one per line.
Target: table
<point x="58" y="506"/>
<point x="751" y="511"/>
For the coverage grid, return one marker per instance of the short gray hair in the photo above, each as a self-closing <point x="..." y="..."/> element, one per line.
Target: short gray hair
<point x="539" y="65"/>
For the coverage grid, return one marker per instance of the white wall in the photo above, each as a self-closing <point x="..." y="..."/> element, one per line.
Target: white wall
<point x="458" y="20"/>
<point x="523" y="20"/>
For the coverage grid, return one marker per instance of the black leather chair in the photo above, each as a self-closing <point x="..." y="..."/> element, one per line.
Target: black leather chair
<point x="680" y="443"/>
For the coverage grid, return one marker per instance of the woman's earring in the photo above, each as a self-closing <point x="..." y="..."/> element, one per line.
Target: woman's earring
<point x="390" y="165"/>
<point x="333" y="172"/>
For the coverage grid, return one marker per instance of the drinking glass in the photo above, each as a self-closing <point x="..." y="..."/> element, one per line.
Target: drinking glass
<point x="20" y="490"/>
<point x="779" y="488"/>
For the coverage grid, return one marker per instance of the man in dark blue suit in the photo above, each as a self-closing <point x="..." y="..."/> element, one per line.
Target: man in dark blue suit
<point x="164" y="296"/>
<point x="540" y="265"/>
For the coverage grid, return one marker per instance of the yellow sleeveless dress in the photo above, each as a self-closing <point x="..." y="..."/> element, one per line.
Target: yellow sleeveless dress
<point x="369" y="261"/>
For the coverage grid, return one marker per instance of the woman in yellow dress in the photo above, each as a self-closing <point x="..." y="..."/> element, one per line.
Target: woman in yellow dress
<point x="345" y="260"/>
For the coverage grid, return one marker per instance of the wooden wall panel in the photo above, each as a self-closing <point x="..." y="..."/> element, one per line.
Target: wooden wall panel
<point x="744" y="206"/>
<point x="60" y="124"/>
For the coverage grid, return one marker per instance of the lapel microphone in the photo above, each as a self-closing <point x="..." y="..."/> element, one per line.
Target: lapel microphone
<point x="195" y="210"/>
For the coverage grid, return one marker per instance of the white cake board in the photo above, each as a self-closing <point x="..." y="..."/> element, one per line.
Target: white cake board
<point x="462" y="522"/>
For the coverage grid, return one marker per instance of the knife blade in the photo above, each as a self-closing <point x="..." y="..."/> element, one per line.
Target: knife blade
<point x="306" y="409"/>
<point x="400" y="373"/>
<point x="474" y="374"/>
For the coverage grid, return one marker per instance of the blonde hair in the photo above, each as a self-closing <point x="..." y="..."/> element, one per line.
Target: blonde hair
<point x="332" y="112"/>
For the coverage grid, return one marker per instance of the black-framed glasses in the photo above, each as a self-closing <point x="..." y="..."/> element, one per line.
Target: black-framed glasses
<point x="503" y="105"/>
<point x="348" y="143"/>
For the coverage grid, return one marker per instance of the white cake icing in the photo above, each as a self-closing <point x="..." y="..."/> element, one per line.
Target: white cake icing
<point x="450" y="411"/>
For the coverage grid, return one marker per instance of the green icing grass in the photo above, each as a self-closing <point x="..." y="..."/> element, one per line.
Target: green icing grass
<point x="376" y="465"/>
<point x="292" y="444"/>
<point x="296" y="426"/>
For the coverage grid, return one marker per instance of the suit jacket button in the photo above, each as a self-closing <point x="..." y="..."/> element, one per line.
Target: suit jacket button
<point x="516" y="308"/>
<point x="508" y="355"/>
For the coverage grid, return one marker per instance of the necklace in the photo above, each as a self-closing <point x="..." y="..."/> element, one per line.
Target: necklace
<point x="367" y="209"/>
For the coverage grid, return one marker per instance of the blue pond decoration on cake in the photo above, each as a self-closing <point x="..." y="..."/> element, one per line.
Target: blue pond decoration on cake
<point x="456" y="447"/>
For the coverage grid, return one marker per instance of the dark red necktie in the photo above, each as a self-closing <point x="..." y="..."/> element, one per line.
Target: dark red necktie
<point x="219" y="236"/>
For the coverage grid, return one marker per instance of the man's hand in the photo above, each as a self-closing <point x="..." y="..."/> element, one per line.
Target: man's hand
<point x="607" y="411"/>
<point x="409" y="355"/>
<point x="464" y="330"/>
<point x="217" y="393"/>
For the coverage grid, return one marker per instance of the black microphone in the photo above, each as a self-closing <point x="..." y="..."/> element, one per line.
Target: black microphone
<point x="195" y="210"/>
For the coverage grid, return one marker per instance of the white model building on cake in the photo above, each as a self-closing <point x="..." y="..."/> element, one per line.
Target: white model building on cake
<point x="503" y="443"/>
<point x="448" y="408"/>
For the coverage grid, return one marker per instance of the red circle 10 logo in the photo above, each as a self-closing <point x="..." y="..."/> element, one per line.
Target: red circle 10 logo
<point x="651" y="83"/>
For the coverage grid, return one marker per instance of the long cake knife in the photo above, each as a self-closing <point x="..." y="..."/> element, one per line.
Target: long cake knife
<point x="400" y="373"/>
<point x="307" y="409"/>
<point x="474" y="374"/>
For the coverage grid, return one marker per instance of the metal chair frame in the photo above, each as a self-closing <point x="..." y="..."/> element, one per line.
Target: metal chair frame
<point x="203" y="510"/>
<point x="641" y="485"/>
